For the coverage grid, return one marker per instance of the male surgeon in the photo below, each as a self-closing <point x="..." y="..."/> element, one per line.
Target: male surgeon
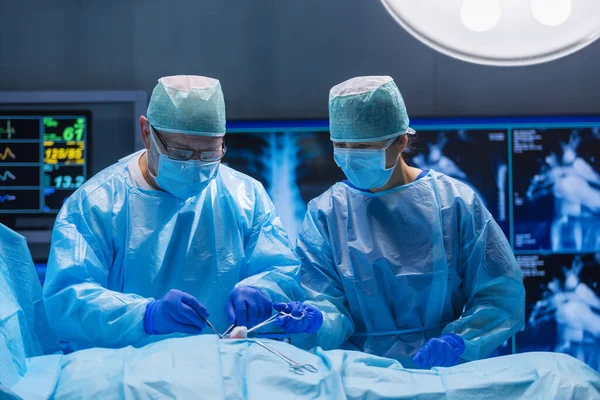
<point x="168" y="237"/>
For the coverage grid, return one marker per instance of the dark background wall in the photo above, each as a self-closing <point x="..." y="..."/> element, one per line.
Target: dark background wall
<point x="276" y="59"/>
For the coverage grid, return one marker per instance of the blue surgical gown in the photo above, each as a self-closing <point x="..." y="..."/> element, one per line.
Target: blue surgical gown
<point x="391" y="270"/>
<point x="116" y="247"/>
<point x="24" y="329"/>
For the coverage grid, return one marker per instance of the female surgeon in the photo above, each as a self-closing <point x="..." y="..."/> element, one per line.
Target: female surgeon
<point x="404" y="263"/>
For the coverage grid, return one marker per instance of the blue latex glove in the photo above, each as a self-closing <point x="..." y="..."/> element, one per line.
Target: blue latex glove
<point x="444" y="351"/>
<point x="176" y="312"/>
<point x="310" y="323"/>
<point x="247" y="306"/>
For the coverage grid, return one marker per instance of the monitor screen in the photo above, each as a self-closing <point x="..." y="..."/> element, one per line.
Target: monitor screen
<point x="43" y="160"/>
<point x="563" y="305"/>
<point x="556" y="184"/>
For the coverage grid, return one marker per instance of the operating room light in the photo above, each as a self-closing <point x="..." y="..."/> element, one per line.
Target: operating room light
<point x="500" y="32"/>
<point x="480" y="15"/>
<point x="551" y="12"/>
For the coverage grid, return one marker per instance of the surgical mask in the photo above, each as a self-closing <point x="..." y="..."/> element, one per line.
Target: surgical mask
<point x="183" y="179"/>
<point x="365" y="168"/>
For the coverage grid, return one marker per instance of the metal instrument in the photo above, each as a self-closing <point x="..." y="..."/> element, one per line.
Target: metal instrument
<point x="264" y="323"/>
<point x="295" y="367"/>
<point x="273" y="318"/>
<point x="227" y="332"/>
<point x="211" y="326"/>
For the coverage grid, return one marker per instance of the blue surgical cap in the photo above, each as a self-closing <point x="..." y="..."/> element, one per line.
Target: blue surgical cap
<point x="188" y="104"/>
<point x="367" y="109"/>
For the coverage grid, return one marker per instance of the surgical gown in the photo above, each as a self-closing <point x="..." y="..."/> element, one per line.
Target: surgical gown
<point x="116" y="247"/>
<point x="24" y="329"/>
<point x="391" y="270"/>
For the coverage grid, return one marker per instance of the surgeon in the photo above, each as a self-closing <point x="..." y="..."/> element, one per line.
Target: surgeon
<point x="403" y="263"/>
<point x="168" y="237"/>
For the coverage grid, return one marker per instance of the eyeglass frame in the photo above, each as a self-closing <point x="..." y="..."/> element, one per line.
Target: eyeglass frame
<point x="192" y="152"/>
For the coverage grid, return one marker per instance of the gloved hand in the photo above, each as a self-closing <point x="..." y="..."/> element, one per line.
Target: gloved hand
<point x="247" y="306"/>
<point x="310" y="323"/>
<point x="176" y="312"/>
<point x="444" y="351"/>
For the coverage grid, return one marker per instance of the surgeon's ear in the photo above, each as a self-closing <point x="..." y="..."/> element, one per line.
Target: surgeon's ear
<point x="145" y="129"/>
<point x="402" y="142"/>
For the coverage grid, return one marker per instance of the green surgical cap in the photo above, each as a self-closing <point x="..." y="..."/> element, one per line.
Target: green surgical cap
<point x="367" y="109"/>
<point x="188" y="104"/>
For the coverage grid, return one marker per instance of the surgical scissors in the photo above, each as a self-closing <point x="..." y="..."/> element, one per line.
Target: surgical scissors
<point x="295" y="367"/>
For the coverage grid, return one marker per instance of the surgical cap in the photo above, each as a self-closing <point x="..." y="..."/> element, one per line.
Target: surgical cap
<point x="367" y="109"/>
<point x="188" y="104"/>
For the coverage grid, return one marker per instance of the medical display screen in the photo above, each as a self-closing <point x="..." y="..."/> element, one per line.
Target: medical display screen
<point x="43" y="160"/>
<point x="563" y="305"/>
<point x="556" y="189"/>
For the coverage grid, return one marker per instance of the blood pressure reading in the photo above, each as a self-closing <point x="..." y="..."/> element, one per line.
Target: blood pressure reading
<point x="42" y="161"/>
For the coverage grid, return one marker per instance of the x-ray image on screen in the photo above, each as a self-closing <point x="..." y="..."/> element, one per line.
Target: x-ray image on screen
<point x="294" y="167"/>
<point x="563" y="305"/>
<point x="478" y="158"/>
<point x="556" y="184"/>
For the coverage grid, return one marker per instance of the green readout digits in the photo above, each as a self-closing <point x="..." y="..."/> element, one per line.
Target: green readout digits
<point x="70" y="133"/>
<point x="74" y="132"/>
<point x="50" y="122"/>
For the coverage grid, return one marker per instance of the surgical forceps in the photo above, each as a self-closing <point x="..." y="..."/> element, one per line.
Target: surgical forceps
<point x="273" y="318"/>
<point x="295" y="367"/>
<point x="265" y="322"/>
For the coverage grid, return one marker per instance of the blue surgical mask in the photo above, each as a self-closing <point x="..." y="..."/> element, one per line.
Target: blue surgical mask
<point x="365" y="168"/>
<point x="183" y="179"/>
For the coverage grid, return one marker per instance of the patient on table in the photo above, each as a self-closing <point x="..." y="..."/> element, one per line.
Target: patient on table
<point x="208" y="367"/>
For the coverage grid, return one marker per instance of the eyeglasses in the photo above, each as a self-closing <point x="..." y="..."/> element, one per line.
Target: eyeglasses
<point x="175" y="153"/>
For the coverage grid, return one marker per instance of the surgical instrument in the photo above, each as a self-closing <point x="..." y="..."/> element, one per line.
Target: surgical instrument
<point x="211" y="326"/>
<point x="295" y="367"/>
<point x="273" y="318"/>
<point x="228" y="331"/>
